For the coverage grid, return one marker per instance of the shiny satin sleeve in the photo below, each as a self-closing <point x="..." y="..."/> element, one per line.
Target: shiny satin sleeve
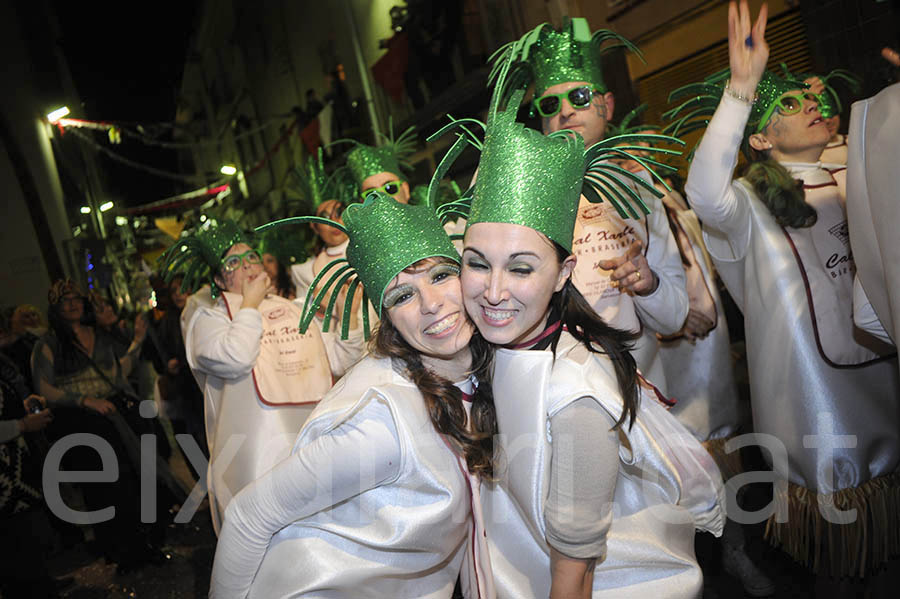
<point x="667" y="307"/>
<point x="583" y="471"/>
<point x="361" y="454"/>
<point x="221" y="347"/>
<point x="709" y="187"/>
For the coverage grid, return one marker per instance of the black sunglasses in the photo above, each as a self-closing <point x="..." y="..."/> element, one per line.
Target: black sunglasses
<point x="579" y="97"/>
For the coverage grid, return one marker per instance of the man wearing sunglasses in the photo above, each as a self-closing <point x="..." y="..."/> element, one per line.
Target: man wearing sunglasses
<point x="779" y="239"/>
<point x="260" y="377"/>
<point x="380" y="168"/>
<point x="628" y="269"/>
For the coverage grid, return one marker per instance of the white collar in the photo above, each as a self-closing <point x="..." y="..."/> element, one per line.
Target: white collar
<point x="338" y="250"/>
<point x="812" y="173"/>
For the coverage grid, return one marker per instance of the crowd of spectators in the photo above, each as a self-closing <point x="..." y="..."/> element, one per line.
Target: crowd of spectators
<point x="81" y="387"/>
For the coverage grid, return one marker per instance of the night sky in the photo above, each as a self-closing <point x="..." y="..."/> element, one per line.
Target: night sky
<point x="126" y="61"/>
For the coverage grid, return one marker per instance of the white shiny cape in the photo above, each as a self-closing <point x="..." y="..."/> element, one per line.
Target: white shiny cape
<point x="405" y="538"/>
<point x="794" y="392"/>
<point x="245" y="436"/>
<point x="666" y="486"/>
<point x="873" y="202"/>
<point x="699" y="375"/>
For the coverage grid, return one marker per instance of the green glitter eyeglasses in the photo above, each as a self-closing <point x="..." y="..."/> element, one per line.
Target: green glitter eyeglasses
<point x="391" y="188"/>
<point x="787" y="104"/>
<point x="579" y="97"/>
<point x="235" y="261"/>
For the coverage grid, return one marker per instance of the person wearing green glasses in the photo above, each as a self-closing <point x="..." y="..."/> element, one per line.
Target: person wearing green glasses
<point x="261" y="378"/>
<point x="822" y="392"/>
<point x="830" y="107"/>
<point x="629" y="269"/>
<point x="381" y="168"/>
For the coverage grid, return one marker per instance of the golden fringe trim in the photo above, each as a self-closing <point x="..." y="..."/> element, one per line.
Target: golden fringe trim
<point x="729" y="464"/>
<point x="853" y="549"/>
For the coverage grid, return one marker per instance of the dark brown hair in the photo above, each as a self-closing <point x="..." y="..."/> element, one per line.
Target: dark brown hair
<point x="443" y="399"/>
<point x="583" y="323"/>
<point x="780" y="192"/>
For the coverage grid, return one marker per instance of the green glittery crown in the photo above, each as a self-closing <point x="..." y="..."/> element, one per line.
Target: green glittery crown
<point x="829" y="100"/>
<point x="287" y="246"/>
<point x="703" y="98"/>
<point x="385" y="237"/>
<point x="364" y="161"/>
<point x="526" y="178"/>
<point x="549" y="57"/>
<point x="199" y="256"/>
<point x="310" y="185"/>
<point x="448" y="192"/>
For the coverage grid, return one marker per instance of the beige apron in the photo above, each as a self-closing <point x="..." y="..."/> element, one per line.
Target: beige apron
<point x="601" y="234"/>
<point x="291" y="369"/>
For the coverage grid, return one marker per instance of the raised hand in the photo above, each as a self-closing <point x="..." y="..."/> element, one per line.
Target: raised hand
<point x="747" y="47"/>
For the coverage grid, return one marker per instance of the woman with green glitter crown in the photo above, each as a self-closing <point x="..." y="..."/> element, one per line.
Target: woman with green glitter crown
<point x="380" y="497"/>
<point x="778" y="237"/>
<point x="567" y="515"/>
<point x="260" y="378"/>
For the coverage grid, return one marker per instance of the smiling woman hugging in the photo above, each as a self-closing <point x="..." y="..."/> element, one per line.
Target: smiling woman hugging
<point x="380" y="496"/>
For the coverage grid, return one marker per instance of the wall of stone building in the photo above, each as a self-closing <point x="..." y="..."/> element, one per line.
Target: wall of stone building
<point x="34" y="224"/>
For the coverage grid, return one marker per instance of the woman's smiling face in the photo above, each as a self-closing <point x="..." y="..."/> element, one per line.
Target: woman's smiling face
<point x="509" y="274"/>
<point x="425" y="305"/>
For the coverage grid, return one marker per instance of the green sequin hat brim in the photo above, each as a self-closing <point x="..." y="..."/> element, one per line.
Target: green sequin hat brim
<point x="829" y="100"/>
<point x="309" y="185"/>
<point x="199" y="256"/>
<point x="698" y="102"/>
<point x="390" y="157"/>
<point x="548" y="57"/>
<point x="385" y="237"/>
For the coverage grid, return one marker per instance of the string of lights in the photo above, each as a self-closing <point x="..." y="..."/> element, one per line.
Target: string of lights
<point x="175" y="145"/>
<point x="117" y="129"/>
<point x="136" y="165"/>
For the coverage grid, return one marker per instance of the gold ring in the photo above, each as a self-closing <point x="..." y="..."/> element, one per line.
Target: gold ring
<point x="638" y="273"/>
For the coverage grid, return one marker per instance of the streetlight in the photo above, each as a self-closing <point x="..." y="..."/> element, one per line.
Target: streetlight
<point x="228" y="169"/>
<point x="105" y="206"/>
<point x="85" y="209"/>
<point x="57" y="114"/>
